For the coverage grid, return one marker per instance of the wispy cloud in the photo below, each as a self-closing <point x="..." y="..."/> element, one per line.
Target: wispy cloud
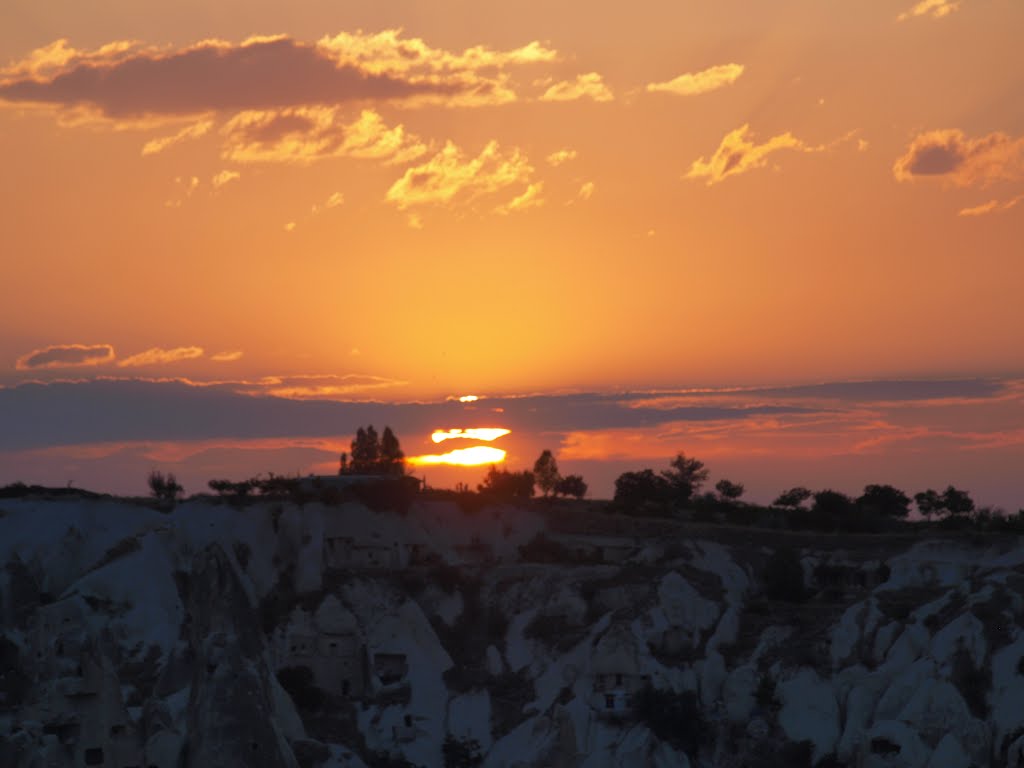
<point x="193" y="131"/>
<point x="335" y="200"/>
<point x="65" y="356"/>
<point x="691" y="84"/>
<point x="319" y="386"/>
<point x="738" y="153"/>
<point x="227" y="357"/>
<point x="224" y="177"/>
<point x="530" y="198"/>
<point x="992" y="206"/>
<point x="306" y="134"/>
<point x="951" y="155"/>
<point x="160" y="356"/>
<point x="561" y="156"/>
<point x="936" y="9"/>
<point x="588" y="86"/>
<point x="450" y="176"/>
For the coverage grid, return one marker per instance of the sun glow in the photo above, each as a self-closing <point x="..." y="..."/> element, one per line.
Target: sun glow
<point x="487" y="434"/>
<point x="463" y="457"/>
<point x="468" y="399"/>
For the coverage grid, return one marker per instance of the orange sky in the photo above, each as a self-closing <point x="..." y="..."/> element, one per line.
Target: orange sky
<point x="416" y="199"/>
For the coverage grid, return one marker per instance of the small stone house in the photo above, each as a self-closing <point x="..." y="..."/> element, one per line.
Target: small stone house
<point x="329" y="644"/>
<point x="616" y="673"/>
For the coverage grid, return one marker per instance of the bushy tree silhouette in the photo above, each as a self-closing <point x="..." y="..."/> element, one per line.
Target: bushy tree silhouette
<point x="642" y="492"/>
<point x="571" y="485"/>
<point x="685" y="477"/>
<point x="373" y="454"/>
<point x="165" y="488"/>
<point x="545" y="473"/>
<point x="729" y="490"/>
<point x="503" y="485"/>
<point x="792" y="498"/>
<point x="884" y="500"/>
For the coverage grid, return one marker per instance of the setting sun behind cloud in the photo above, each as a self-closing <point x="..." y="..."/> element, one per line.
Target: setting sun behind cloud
<point x="487" y="434"/>
<point x="476" y="456"/>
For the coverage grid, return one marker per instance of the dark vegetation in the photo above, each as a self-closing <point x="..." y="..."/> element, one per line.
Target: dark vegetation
<point x="673" y="717"/>
<point x="461" y="753"/>
<point x="380" y="481"/>
<point x="784" y="576"/>
<point x="165" y="488"/>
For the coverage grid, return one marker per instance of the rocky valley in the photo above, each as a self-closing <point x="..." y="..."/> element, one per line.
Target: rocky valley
<point x="327" y="635"/>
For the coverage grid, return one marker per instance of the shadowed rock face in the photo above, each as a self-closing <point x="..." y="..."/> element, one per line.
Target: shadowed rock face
<point x="231" y="720"/>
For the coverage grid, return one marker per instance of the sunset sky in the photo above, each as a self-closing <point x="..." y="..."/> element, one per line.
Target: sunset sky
<point x="786" y="237"/>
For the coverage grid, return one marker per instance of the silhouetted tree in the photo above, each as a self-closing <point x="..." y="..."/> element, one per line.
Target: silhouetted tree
<point x="165" y="488"/>
<point x="833" y="509"/>
<point x="545" y="473"/>
<point x="373" y="455"/>
<point x="884" y="500"/>
<point x="957" y="502"/>
<point x="571" y="485"/>
<point x="686" y="477"/>
<point x="366" y="451"/>
<point x="392" y="459"/>
<point x="643" y="492"/>
<point x="928" y="502"/>
<point x="229" y="488"/>
<point x="792" y="498"/>
<point x="507" y="486"/>
<point x="729" y="490"/>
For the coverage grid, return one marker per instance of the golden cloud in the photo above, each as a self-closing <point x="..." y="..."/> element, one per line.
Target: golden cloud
<point x="318" y="386"/>
<point x="936" y="9"/>
<point x="307" y="134"/>
<point x="450" y="174"/>
<point x="160" y="356"/>
<point x="224" y="177"/>
<point x="194" y="131"/>
<point x="588" y="86"/>
<point x="950" y="154"/>
<point x="387" y="53"/>
<point x="125" y="80"/>
<point x="529" y="199"/>
<point x="738" y="153"/>
<point x="690" y="84"/>
<point x="227" y="357"/>
<point x="992" y="206"/>
<point x="555" y="159"/>
<point x="65" y="356"/>
<point x="58" y="56"/>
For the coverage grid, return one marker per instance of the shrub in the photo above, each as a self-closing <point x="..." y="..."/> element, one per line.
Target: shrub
<point x="784" y="576"/>
<point x="643" y="493"/>
<point x="972" y="681"/>
<point x="541" y="549"/>
<point x="298" y="682"/>
<point x="506" y="486"/>
<point x="765" y="694"/>
<point x="461" y="753"/>
<point x="165" y="488"/>
<point x="672" y="717"/>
